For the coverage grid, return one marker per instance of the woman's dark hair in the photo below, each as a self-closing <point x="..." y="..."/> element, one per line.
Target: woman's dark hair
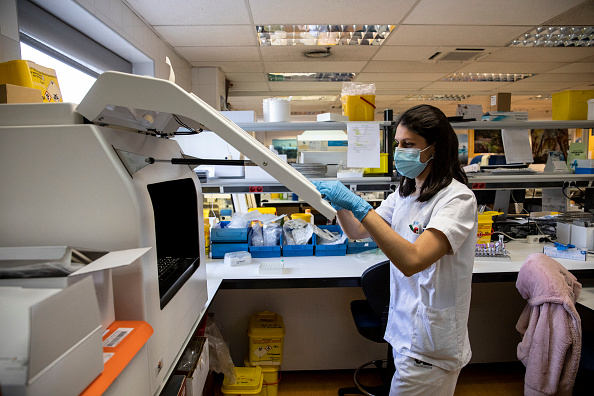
<point x="430" y="123"/>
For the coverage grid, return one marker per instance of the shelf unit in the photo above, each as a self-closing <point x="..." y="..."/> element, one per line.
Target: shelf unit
<point x="368" y="184"/>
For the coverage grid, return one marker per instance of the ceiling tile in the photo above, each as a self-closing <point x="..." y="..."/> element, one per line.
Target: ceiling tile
<point x="458" y="86"/>
<point x="486" y="12"/>
<point x="582" y="15"/>
<point x="539" y="54"/>
<point x="508" y="67"/>
<point x="208" y="36"/>
<point x="192" y="12"/>
<point x="306" y="86"/>
<point x="528" y="86"/>
<point x="389" y="97"/>
<point x="415" y="67"/>
<point x="233" y="67"/>
<point x="248" y="86"/>
<point x="404" y="53"/>
<point x="337" y="53"/>
<point x="378" y="77"/>
<point x="401" y="84"/>
<point x="205" y="54"/>
<point x="559" y="77"/>
<point x="459" y="36"/>
<point x="577" y="67"/>
<point x="266" y="12"/>
<point x="246" y="77"/>
<point x="320" y="66"/>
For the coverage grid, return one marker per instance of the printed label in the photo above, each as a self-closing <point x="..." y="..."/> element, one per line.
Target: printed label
<point x="116" y="337"/>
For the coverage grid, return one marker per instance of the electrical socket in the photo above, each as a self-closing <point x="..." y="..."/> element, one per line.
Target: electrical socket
<point x="532" y="239"/>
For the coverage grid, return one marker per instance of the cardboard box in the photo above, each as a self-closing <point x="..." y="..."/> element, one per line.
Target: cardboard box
<point x="99" y="270"/>
<point x="51" y="340"/>
<point x="29" y="74"/>
<point x="196" y="370"/>
<point x="501" y="102"/>
<point x="15" y="94"/>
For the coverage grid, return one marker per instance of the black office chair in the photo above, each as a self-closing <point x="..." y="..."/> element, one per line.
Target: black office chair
<point x="371" y="317"/>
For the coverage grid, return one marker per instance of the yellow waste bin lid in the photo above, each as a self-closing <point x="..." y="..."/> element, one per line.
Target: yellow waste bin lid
<point x="249" y="382"/>
<point x="266" y="324"/>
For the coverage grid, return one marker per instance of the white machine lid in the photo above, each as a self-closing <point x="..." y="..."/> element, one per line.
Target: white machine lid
<point x="160" y="106"/>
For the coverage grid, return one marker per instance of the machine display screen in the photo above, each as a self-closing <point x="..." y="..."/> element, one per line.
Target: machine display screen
<point x="175" y="207"/>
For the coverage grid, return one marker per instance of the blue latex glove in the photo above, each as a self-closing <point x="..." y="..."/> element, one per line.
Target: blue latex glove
<point x="342" y="197"/>
<point x="318" y="184"/>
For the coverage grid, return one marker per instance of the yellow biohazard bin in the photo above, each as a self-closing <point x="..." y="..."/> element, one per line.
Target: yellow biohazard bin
<point x="485" y="226"/>
<point x="271" y="377"/>
<point x="31" y="75"/>
<point x="249" y="382"/>
<point x="359" y="107"/>
<point x="266" y="333"/>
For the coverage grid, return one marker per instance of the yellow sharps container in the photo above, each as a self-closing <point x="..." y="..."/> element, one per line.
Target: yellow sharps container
<point x="248" y="382"/>
<point x="266" y="332"/>
<point x="359" y="107"/>
<point x="485" y="226"/>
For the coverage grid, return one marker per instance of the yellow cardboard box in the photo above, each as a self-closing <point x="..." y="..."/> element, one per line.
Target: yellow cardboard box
<point x="31" y="75"/>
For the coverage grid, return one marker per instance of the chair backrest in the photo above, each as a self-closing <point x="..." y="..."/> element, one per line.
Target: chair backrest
<point x="375" y="283"/>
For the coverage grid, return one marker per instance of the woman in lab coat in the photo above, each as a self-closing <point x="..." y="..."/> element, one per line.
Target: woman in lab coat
<point x="427" y="228"/>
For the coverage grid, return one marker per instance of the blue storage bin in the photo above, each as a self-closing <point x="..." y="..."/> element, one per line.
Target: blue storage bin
<point x="358" y="247"/>
<point x="225" y="234"/>
<point x="300" y="250"/>
<point x="218" y="250"/>
<point x="264" y="251"/>
<point x="331" y="250"/>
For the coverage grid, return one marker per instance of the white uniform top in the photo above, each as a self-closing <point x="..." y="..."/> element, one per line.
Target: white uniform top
<point x="428" y="313"/>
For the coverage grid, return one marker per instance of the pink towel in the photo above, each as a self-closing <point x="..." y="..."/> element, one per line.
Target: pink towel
<point x="551" y="327"/>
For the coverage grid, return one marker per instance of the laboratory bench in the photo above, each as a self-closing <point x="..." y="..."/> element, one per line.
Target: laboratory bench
<point x="313" y="295"/>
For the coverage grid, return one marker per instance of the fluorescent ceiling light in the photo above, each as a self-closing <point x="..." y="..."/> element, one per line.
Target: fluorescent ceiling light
<point x="488" y="77"/>
<point x="551" y="36"/>
<point x="326" y="77"/>
<point x="437" y="97"/>
<point x="323" y="34"/>
<point x="541" y="97"/>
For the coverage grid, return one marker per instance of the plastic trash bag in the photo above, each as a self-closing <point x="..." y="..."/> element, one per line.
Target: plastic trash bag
<point x="219" y="356"/>
<point x="355" y="88"/>
<point x="297" y="232"/>
<point x="257" y="234"/>
<point x="327" y="237"/>
<point x="272" y="233"/>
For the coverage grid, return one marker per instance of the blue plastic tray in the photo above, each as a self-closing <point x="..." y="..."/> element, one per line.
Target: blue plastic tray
<point x="300" y="250"/>
<point x="331" y="250"/>
<point x="264" y="251"/>
<point x="225" y="234"/>
<point x="358" y="247"/>
<point x="219" y="249"/>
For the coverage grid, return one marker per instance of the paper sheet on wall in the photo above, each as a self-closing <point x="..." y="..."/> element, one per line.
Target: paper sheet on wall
<point x="516" y="144"/>
<point x="364" y="145"/>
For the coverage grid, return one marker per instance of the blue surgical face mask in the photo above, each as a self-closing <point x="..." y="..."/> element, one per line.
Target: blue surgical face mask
<point x="408" y="161"/>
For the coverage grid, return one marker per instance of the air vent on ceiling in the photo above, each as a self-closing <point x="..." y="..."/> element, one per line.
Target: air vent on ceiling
<point x="458" y="55"/>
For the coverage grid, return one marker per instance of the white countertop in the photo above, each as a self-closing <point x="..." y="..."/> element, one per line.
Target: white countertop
<point x="353" y="265"/>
